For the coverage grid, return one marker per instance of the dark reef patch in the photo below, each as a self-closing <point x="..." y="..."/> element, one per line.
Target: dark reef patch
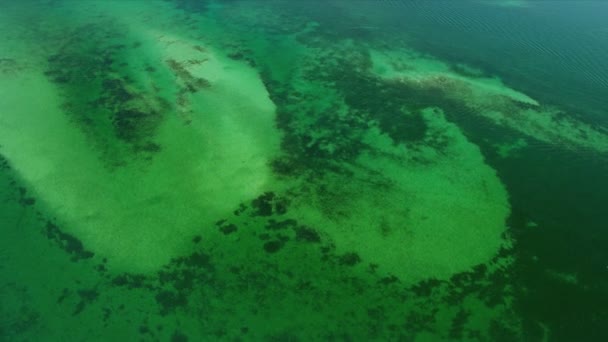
<point x="458" y="323"/>
<point x="67" y="242"/>
<point x="9" y="66"/>
<point x="268" y="204"/>
<point x="179" y="336"/>
<point x="132" y="281"/>
<point x="25" y="200"/>
<point x="86" y="297"/>
<point x="426" y="287"/>
<point x="273" y="246"/>
<point x="280" y="225"/>
<point x="192" y="83"/>
<point x="197" y="259"/>
<point x="4" y="164"/>
<point x="263" y="204"/>
<point x="320" y="139"/>
<point x="349" y="259"/>
<point x="240" y="53"/>
<point x="101" y="97"/>
<point x="173" y="285"/>
<point x="128" y="125"/>
<point x="307" y="234"/>
<point x="169" y="301"/>
<point x="390" y="104"/>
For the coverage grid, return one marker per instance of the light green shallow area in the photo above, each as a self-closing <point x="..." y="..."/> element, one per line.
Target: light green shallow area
<point x="413" y="211"/>
<point x="210" y="180"/>
<point x="215" y="147"/>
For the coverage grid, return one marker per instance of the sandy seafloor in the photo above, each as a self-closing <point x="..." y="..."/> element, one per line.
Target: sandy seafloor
<point x="297" y="171"/>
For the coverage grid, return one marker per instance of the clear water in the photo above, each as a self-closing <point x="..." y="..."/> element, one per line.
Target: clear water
<point x="315" y="170"/>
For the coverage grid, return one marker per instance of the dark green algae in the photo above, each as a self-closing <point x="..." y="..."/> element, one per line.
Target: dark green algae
<point x="101" y="98"/>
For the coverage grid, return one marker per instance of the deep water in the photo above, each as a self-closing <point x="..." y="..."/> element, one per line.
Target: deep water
<point x="185" y="170"/>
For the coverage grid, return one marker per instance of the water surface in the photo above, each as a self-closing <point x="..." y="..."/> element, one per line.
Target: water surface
<point x="271" y="170"/>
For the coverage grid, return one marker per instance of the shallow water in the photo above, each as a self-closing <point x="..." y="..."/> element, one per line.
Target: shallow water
<point x="270" y="170"/>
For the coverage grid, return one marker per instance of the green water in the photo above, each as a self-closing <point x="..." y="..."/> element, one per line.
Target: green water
<point x="282" y="171"/>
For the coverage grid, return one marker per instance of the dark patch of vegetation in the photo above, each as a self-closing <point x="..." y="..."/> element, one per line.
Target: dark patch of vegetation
<point x="115" y="92"/>
<point x="178" y="336"/>
<point x="132" y="281"/>
<point x="4" y="164"/>
<point x="394" y="106"/>
<point x="169" y="301"/>
<point x="107" y="312"/>
<point x="425" y="288"/>
<point x="388" y="280"/>
<point x="490" y="287"/>
<point x="23" y="199"/>
<point x="281" y="225"/>
<point x="307" y="234"/>
<point x="419" y="321"/>
<point x="349" y="259"/>
<point x="9" y="66"/>
<point x="28" y="201"/>
<point x="458" y="322"/>
<point x="64" y="294"/>
<point x="229" y="229"/>
<point x="242" y="54"/>
<point x="500" y="332"/>
<point x="494" y="293"/>
<point x="86" y="298"/>
<point x="100" y="98"/>
<point x="376" y="320"/>
<point x="144" y="330"/>
<point x="303" y="154"/>
<point x="67" y="242"/>
<point x="24" y="320"/>
<point x="197" y="259"/>
<point x="192" y="83"/>
<point x="101" y="268"/>
<point x="280" y="207"/>
<point x="263" y="204"/>
<point x="197" y="239"/>
<point x="128" y="125"/>
<point x="225" y="227"/>
<point x="273" y="246"/>
<point x="241" y="209"/>
<point x="327" y="251"/>
<point x="179" y="278"/>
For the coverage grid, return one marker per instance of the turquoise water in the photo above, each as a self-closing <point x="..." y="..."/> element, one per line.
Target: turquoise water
<point x="281" y="171"/>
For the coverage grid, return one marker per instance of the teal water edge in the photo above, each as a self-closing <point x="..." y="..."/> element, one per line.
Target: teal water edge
<point x="251" y="170"/>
